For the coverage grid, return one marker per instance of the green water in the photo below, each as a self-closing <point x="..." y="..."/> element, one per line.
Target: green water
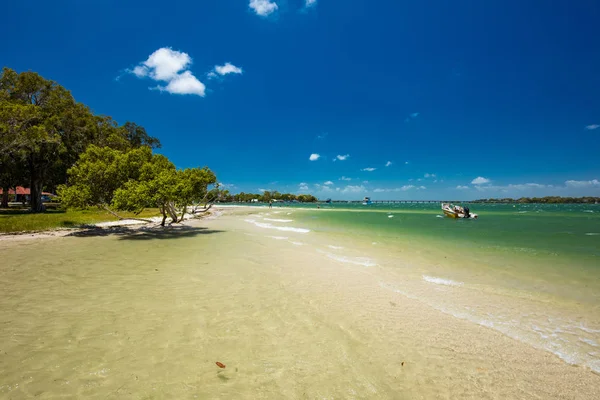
<point x="566" y="229"/>
<point x="530" y="271"/>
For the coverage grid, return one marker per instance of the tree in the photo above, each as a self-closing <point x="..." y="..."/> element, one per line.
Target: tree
<point x="43" y="128"/>
<point x="133" y="180"/>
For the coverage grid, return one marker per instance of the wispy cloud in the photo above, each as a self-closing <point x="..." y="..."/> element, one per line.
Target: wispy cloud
<point x="343" y="178"/>
<point x="399" y="189"/>
<point x="323" y="188"/>
<point x="354" y="189"/>
<point x="512" y="187"/>
<point x="459" y="187"/>
<point x="227" y="68"/>
<point x="480" y="180"/>
<point x="583" y="184"/>
<point x="303" y="186"/>
<point x="369" y="169"/>
<point x="429" y="175"/>
<point x="411" y="116"/>
<point x="322" y="135"/>
<point x="314" y="157"/>
<point x="342" y="157"/>
<point x="328" y="183"/>
<point x="170" y="66"/>
<point x="387" y="164"/>
<point x="592" y="127"/>
<point x="405" y="162"/>
<point x="264" y="190"/>
<point x="263" y="8"/>
<point x="365" y="181"/>
<point x="310" y="3"/>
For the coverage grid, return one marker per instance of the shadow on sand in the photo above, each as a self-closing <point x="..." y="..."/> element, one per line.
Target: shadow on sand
<point x="145" y="233"/>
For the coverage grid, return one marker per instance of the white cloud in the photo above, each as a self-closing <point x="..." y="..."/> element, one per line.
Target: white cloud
<point x="184" y="83"/>
<point x="365" y="181"/>
<point x="165" y="63"/>
<point x="387" y="164"/>
<point x="171" y="66"/>
<point x="323" y="188"/>
<point x="343" y="178"/>
<point x="264" y="190"/>
<point x="592" y="127"/>
<point x="263" y="7"/>
<point x="480" y="180"/>
<point x="140" y="71"/>
<point x="414" y="115"/>
<point x="370" y="169"/>
<point x="310" y="3"/>
<point x="328" y="183"/>
<point x="583" y="184"/>
<point x="459" y="187"/>
<point x="302" y="187"/>
<point x="314" y="157"/>
<point x="228" y="68"/>
<point x="405" y="162"/>
<point x="429" y="175"/>
<point x="211" y="75"/>
<point x="421" y="188"/>
<point x="353" y="189"/>
<point x="399" y="189"/>
<point x="342" y="158"/>
<point x="513" y="187"/>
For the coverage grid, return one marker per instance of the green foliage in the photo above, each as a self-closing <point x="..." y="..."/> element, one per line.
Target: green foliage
<point x="133" y="180"/>
<point x="43" y="131"/>
<point x="544" y="200"/>
<point x="265" y="197"/>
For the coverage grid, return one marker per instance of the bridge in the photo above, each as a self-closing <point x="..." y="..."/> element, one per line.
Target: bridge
<point x="395" y="201"/>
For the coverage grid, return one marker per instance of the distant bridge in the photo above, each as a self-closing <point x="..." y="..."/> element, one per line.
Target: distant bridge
<point x="396" y="201"/>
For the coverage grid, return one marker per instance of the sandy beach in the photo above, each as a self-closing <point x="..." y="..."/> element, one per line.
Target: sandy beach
<point x="290" y="314"/>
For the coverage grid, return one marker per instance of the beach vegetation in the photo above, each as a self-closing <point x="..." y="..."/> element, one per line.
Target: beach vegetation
<point x="43" y="130"/>
<point x="136" y="179"/>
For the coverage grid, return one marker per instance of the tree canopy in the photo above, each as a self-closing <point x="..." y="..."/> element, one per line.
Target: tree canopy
<point x="135" y="179"/>
<point x="43" y="130"/>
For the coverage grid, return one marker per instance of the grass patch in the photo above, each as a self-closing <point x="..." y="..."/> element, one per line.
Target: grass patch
<point x="16" y="220"/>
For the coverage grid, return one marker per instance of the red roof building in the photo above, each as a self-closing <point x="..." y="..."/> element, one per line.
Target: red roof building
<point x="24" y="191"/>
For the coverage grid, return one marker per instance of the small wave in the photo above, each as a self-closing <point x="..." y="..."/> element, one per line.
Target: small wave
<point x="362" y="261"/>
<point x="590" y="211"/>
<point x="279" y="228"/>
<point x="390" y="216"/>
<point x="278" y="220"/>
<point x="335" y="247"/>
<point x="297" y="243"/>
<point x="278" y="237"/>
<point x="439" y="216"/>
<point x="592" y="234"/>
<point x="441" y="281"/>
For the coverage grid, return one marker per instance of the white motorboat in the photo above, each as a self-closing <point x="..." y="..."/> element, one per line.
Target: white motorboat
<point x="452" y="211"/>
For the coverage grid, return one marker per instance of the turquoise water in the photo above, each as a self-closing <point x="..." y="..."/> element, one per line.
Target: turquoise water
<point x="530" y="271"/>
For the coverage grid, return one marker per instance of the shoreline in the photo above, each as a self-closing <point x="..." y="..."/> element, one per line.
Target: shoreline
<point x="123" y="225"/>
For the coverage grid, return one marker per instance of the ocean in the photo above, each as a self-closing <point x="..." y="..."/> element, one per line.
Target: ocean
<point x="530" y="271"/>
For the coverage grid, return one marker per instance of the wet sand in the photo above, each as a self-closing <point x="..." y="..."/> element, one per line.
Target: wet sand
<point x="147" y="316"/>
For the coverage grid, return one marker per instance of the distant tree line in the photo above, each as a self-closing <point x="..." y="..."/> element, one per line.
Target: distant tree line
<point x="265" y="197"/>
<point x="48" y="141"/>
<point x="543" y="200"/>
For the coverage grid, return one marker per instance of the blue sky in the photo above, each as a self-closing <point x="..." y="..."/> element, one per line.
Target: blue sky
<point x="464" y="99"/>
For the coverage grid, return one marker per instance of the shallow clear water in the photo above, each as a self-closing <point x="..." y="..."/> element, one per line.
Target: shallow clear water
<point x="305" y="304"/>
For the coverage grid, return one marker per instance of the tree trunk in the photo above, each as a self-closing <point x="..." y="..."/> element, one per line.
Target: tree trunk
<point x="171" y="210"/>
<point x="162" y="210"/>
<point x="183" y="213"/>
<point x="36" y="194"/>
<point x="4" y="197"/>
